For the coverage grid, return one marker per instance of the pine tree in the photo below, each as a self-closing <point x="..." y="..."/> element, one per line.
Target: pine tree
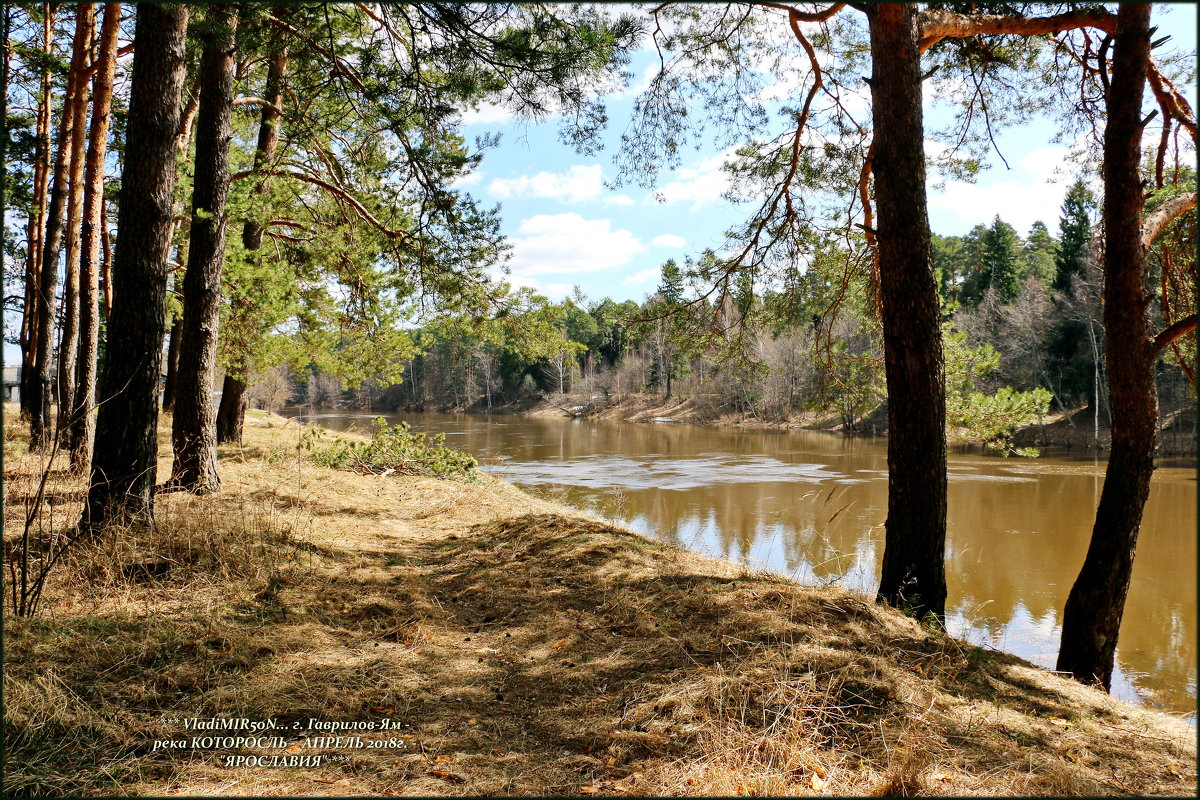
<point x="195" y="416"/>
<point x="914" y="572"/>
<point x="1096" y="603"/>
<point x="83" y="423"/>
<point x="976" y="278"/>
<point x="125" y="462"/>
<point x="670" y="285"/>
<point x="41" y="380"/>
<point x="1073" y="358"/>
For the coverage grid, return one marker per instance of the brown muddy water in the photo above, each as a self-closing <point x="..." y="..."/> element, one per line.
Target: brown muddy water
<point x="811" y="505"/>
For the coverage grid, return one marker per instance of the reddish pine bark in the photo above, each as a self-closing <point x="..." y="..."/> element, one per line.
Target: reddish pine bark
<point x="172" y="377"/>
<point x="41" y="375"/>
<point x="35" y="228"/>
<point x="83" y="423"/>
<point x="68" y="347"/>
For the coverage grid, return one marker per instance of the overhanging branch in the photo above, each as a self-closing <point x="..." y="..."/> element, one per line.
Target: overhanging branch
<point x="336" y="191"/>
<point x="1175" y="330"/>
<point x="257" y="101"/>
<point x="936" y="25"/>
<point x="1164" y="215"/>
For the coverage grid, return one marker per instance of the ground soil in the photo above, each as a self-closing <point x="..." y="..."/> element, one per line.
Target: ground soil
<point x="519" y="647"/>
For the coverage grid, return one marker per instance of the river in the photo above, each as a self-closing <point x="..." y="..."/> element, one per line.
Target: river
<point x="811" y="505"/>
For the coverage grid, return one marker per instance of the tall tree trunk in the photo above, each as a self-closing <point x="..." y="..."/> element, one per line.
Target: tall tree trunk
<point x="172" y="379"/>
<point x="69" y="343"/>
<point x="183" y="139"/>
<point x="83" y="425"/>
<point x="41" y="377"/>
<point x="1092" y="617"/>
<point x="36" y="225"/>
<point x="125" y="463"/>
<point x="232" y="412"/>
<point x="914" y="576"/>
<point x="6" y="13"/>
<point x="105" y="264"/>
<point x="194" y="427"/>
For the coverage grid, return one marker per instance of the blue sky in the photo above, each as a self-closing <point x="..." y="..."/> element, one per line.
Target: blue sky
<point x="568" y="229"/>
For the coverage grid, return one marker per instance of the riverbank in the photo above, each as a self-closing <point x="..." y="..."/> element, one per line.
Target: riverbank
<point x="518" y="647"/>
<point x="1077" y="434"/>
<point x="678" y="409"/>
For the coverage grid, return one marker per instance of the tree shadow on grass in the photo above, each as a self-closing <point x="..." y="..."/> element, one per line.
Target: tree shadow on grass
<point x="542" y="654"/>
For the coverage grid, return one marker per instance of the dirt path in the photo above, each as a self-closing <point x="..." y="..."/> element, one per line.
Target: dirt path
<point x="517" y="647"/>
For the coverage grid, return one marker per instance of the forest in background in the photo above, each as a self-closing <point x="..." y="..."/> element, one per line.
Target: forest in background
<point x="1021" y="317"/>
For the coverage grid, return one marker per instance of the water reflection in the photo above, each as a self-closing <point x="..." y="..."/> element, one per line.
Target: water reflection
<point x="811" y="505"/>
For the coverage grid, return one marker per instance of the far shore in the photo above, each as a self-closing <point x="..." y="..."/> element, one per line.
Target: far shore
<point x="1055" y="431"/>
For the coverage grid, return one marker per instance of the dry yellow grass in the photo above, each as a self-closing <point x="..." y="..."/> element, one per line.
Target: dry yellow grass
<point x="522" y="648"/>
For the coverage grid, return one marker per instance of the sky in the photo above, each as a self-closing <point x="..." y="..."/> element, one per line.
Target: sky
<point x="567" y="229"/>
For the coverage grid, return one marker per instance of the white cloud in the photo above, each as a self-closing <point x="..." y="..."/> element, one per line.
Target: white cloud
<point x="549" y="244"/>
<point x="1019" y="202"/>
<point x="558" y="291"/>
<point x="701" y="184"/>
<point x="470" y="179"/>
<point x="668" y="240"/>
<point x="645" y="276"/>
<point x="1033" y="190"/>
<point x="935" y="150"/>
<point x="487" y="114"/>
<point x="637" y="85"/>
<point x="519" y="281"/>
<point x="619" y="200"/>
<point x="1049" y="163"/>
<point x="576" y="184"/>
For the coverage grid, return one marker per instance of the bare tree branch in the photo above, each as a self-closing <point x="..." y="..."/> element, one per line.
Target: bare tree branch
<point x="1164" y="215"/>
<point x="257" y="101"/>
<point x="1178" y="328"/>
<point x="937" y="25"/>
<point x="796" y="15"/>
<point x="1171" y="101"/>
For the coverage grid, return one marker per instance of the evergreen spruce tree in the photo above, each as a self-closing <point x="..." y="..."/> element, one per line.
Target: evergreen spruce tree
<point x="1001" y="248"/>
<point x="1039" y="255"/>
<point x="1074" y="234"/>
<point x="1072" y="357"/>
<point x="976" y="278"/>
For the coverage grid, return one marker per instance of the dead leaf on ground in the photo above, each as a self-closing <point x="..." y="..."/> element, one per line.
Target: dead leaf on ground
<point x="453" y="777"/>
